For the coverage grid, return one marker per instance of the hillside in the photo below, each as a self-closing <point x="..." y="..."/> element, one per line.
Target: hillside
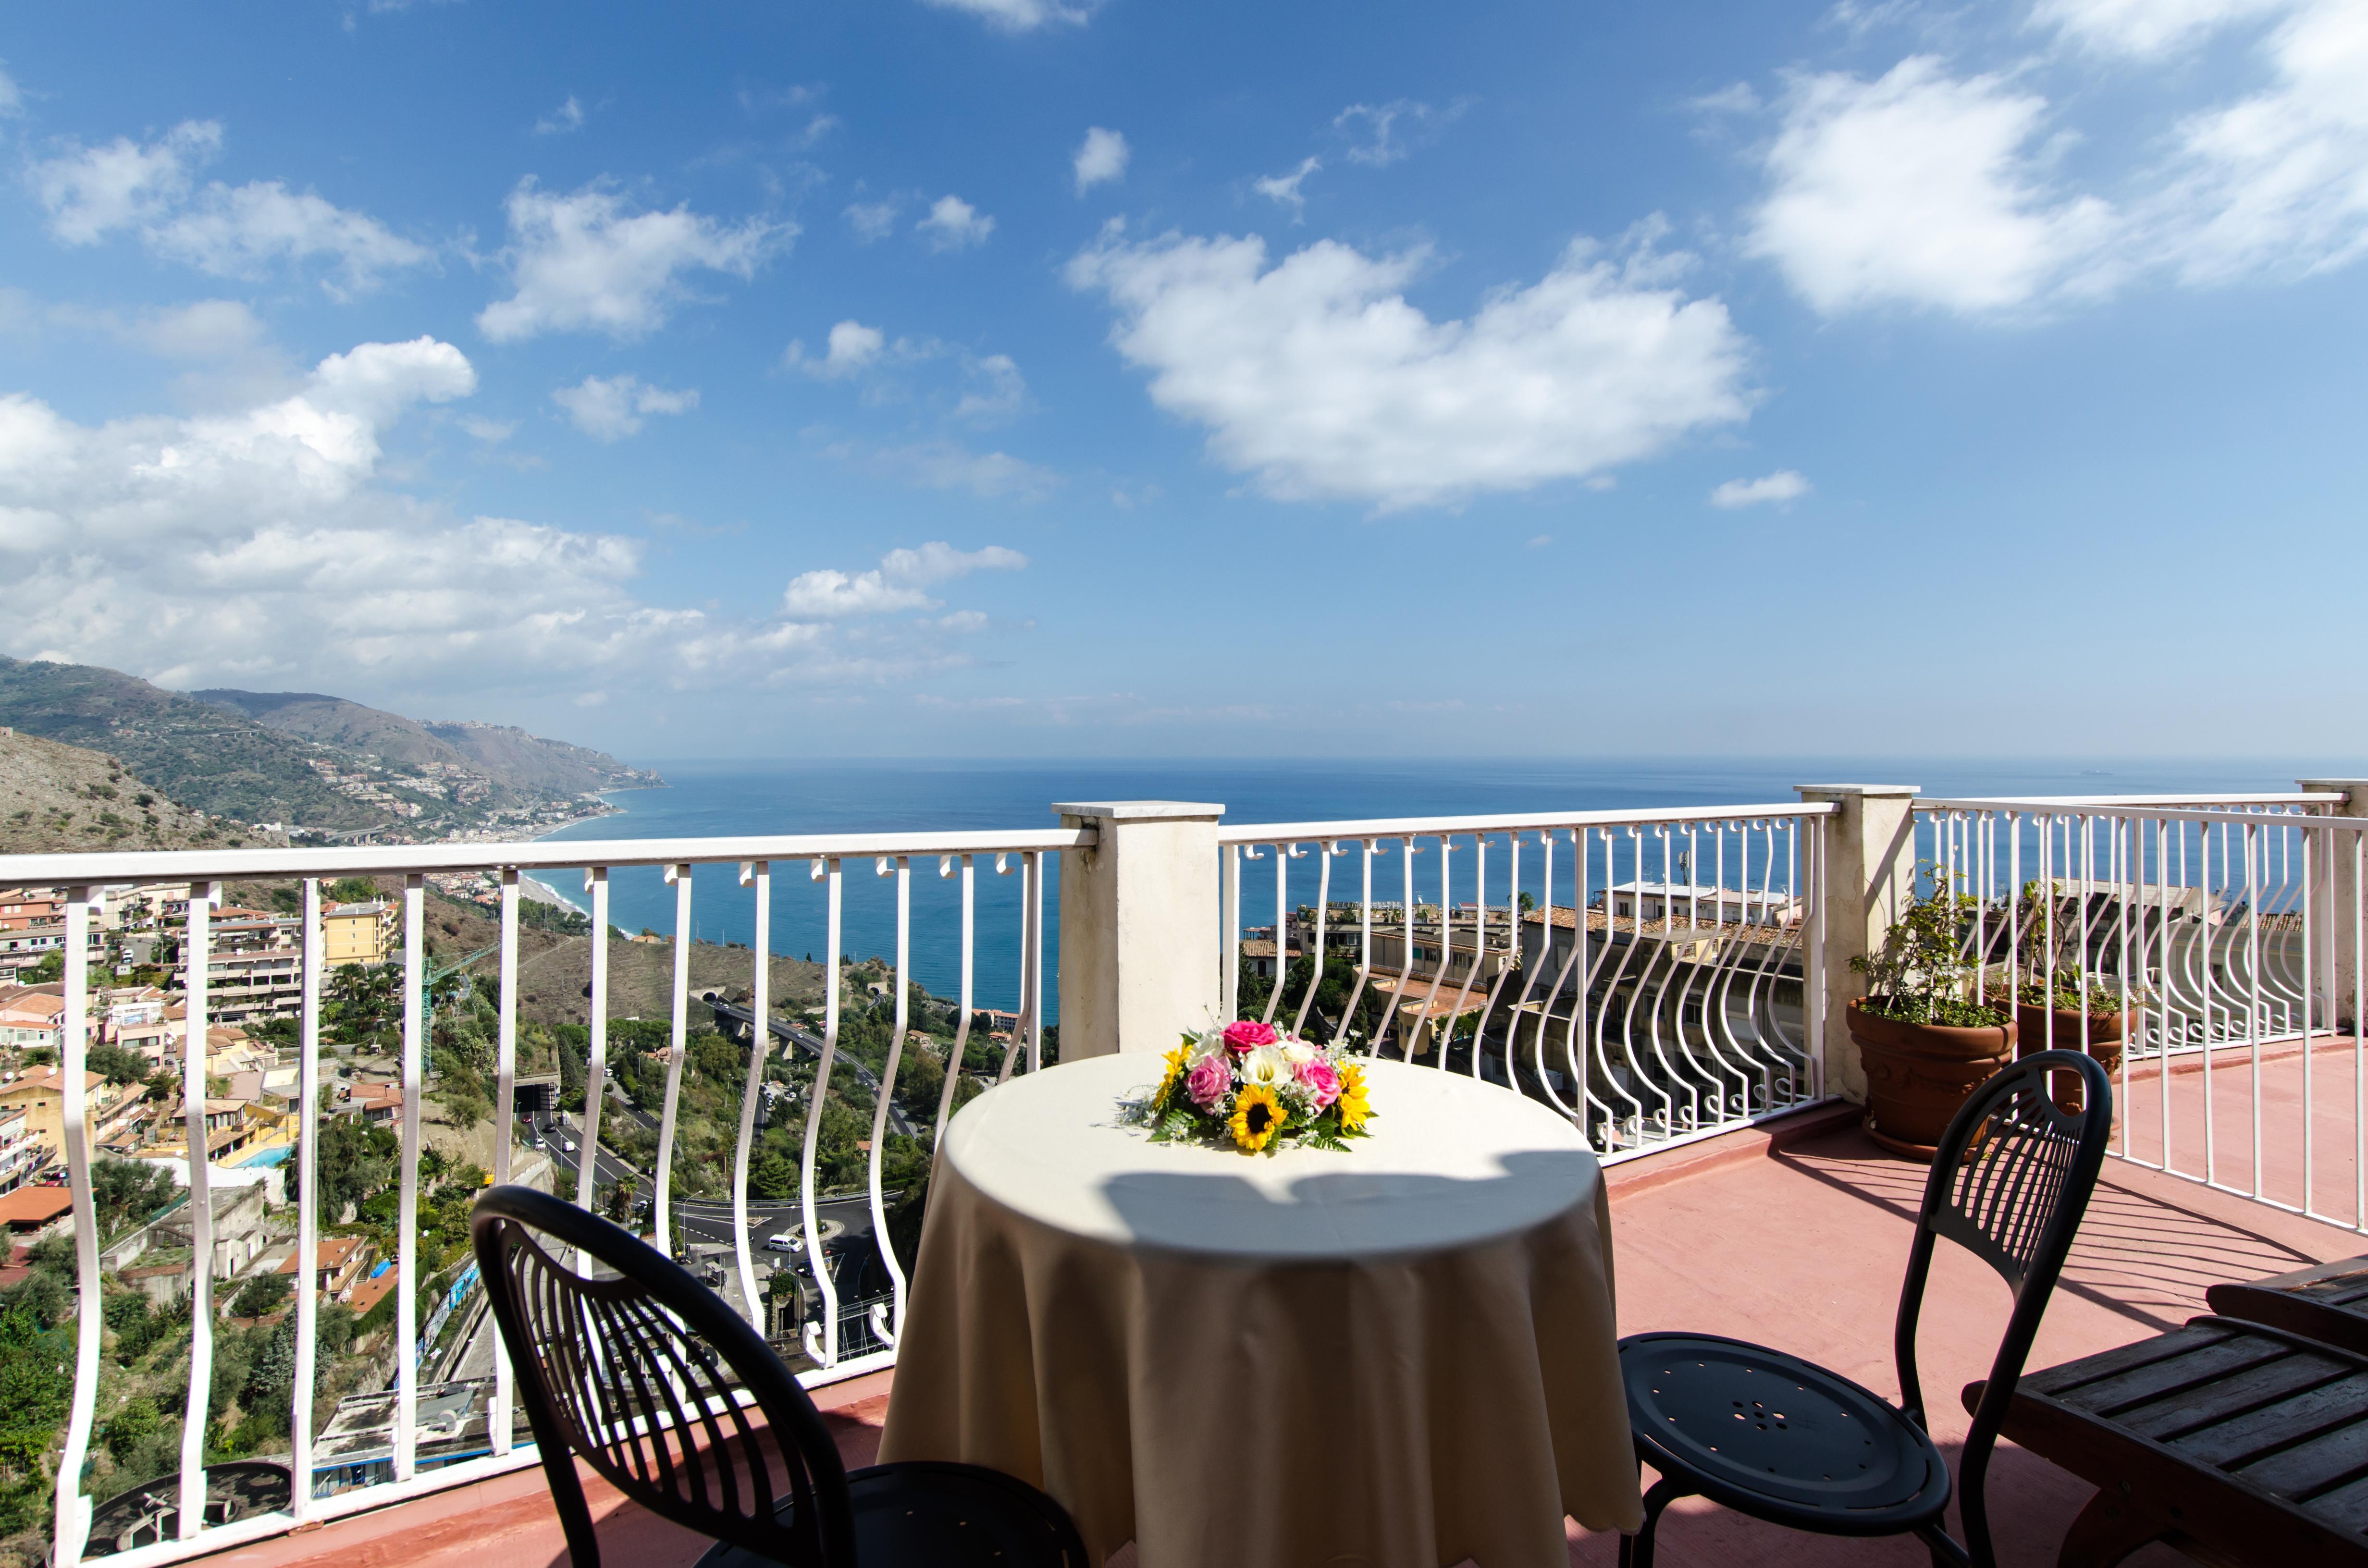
<point x="324" y="766"/>
<point x="56" y="797"/>
<point x="333" y="721"/>
<point x="531" y="762"/>
<point x="502" y="753"/>
<point x="204" y="757"/>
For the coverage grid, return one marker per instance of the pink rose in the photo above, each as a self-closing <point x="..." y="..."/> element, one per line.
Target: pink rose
<point x="1322" y="1081"/>
<point x="1209" y="1082"/>
<point x="1244" y="1035"/>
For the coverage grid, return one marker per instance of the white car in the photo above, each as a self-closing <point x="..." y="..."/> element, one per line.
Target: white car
<point x="788" y="1240"/>
<point x="568" y="1146"/>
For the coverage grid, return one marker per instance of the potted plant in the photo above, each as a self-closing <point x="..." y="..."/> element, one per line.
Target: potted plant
<point x="2059" y="1002"/>
<point x="1925" y="1044"/>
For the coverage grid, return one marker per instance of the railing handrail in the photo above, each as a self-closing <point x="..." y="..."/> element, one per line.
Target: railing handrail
<point x="219" y="865"/>
<point x="1511" y="822"/>
<point x="2199" y="801"/>
<point x="2208" y="815"/>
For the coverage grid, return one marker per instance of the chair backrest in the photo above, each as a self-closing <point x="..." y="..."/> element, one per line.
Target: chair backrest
<point x="2010" y="1180"/>
<point x="631" y="1373"/>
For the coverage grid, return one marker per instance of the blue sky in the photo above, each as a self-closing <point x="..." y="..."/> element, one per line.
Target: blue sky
<point x="1005" y="377"/>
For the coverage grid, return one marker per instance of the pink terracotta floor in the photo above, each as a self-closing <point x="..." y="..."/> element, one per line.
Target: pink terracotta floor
<point x="1796" y="1241"/>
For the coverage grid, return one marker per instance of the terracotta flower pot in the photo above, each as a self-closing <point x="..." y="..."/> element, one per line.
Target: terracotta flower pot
<point x="2106" y="1033"/>
<point x="1918" y="1075"/>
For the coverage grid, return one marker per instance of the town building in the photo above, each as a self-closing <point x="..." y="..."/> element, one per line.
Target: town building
<point x="17" y="1148"/>
<point x="31" y="1213"/>
<point x="357" y="933"/>
<point x="109" y="1112"/>
<point x="238" y="1228"/>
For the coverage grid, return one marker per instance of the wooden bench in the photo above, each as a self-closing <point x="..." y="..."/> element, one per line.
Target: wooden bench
<point x="2235" y="1442"/>
<point x="2328" y="1304"/>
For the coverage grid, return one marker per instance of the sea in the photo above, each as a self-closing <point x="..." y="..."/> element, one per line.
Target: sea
<point x="717" y="797"/>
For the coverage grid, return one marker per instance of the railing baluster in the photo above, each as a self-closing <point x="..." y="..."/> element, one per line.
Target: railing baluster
<point x="308" y="1214"/>
<point x="822" y="1345"/>
<point x="758" y="874"/>
<point x="70" y="1517"/>
<point x="506" y="1119"/>
<point x="678" y="1048"/>
<point x="961" y="1025"/>
<point x="596" y="1065"/>
<point x="406" y="1288"/>
<point x="199" y="1400"/>
<point x="889" y="1326"/>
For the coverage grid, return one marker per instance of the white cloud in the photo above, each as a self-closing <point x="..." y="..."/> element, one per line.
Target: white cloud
<point x="997" y="391"/>
<point x="1390" y="131"/>
<point x="236" y="548"/>
<point x="2277" y="182"/>
<point x="611" y="408"/>
<point x="1783" y="485"/>
<point x="587" y="262"/>
<point x="229" y="231"/>
<point x="90" y="192"/>
<point x="955" y="225"/>
<point x="12" y="99"/>
<point x="1284" y="188"/>
<point x="853" y="347"/>
<point x="1538" y="541"/>
<point x="1318" y="377"/>
<point x="2144" y="27"/>
<point x="1099" y="159"/>
<point x="949" y="465"/>
<point x="493" y="432"/>
<point x="566" y="118"/>
<point x="872" y="220"/>
<point x="899" y="583"/>
<point x="1022" y="16"/>
<point x="1920" y="189"/>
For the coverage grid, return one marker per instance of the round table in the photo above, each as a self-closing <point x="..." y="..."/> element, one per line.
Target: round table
<point x="1403" y="1354"/>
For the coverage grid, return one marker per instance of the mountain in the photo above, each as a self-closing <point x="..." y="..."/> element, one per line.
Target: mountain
<point x="56" y="797"/>
<point x="532" y="762"/>
<point x="502" y="753"/>
<point x="201" y="755"/>
<point x="316" y="763"/>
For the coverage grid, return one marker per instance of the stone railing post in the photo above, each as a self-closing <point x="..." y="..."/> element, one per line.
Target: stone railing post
<point x="1139" y="940"/>
<point x="1870" y="876"/>
<point x="2336" y="912"/>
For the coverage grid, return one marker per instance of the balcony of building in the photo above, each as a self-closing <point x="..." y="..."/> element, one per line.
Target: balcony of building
<point x="1794" y="1234"/>
<point x="1713" y="1078"/>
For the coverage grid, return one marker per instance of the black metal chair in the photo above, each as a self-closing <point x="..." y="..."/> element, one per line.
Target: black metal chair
<point x="631" y="1372"/>
<point x="1783" y="1440"/>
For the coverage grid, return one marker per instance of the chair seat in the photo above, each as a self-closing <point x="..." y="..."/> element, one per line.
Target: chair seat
<point x="1778" y="1437"/>
<point x="924" y="1514"/>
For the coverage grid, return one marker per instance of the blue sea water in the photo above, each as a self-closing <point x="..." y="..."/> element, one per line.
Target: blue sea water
<point x="742" y="797"/>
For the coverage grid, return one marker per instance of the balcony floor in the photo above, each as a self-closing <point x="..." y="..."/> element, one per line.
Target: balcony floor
<point x="1795" y="1237"/>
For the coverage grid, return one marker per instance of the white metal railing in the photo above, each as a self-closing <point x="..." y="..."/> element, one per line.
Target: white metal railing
<point x="1695" y="1012"/>
<point x="2228" y="929"/>
<point x="843" y="1339"/>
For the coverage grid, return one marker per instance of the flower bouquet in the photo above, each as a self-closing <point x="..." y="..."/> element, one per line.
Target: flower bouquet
<point x="1257" y="1089"/>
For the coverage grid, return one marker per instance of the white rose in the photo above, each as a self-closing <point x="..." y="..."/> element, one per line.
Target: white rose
<point x="1267" y="1065"/>
<point x="1207" y="1043"/>
<point x="1298" y="1050"/>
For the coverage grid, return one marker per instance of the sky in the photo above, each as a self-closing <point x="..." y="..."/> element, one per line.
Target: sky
<point x="1009" y="377"/>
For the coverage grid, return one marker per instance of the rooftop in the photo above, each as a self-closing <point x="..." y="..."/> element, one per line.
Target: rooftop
<point x="1794" y="1233"/>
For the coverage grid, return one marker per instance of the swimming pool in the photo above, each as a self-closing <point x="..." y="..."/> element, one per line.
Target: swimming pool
<point x="276" y="1155"/>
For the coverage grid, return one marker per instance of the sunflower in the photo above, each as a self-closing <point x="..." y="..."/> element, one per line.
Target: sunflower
<point x="1258" y="1116"/>
<point x="1352" y="1104"/>
<point x="1167" y="1080"/>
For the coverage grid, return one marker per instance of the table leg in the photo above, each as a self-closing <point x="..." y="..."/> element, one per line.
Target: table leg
<point x="2113" y="1525"/>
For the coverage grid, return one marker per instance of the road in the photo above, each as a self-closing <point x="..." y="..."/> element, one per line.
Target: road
<point x="812" y="1045"/>
<point x="711" y="1221"/>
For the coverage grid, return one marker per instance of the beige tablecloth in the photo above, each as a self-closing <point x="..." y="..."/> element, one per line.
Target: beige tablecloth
<point x="1401" y="1354"/>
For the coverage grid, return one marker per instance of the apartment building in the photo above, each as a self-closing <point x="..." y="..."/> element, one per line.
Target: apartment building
<point x="357" y="933"/>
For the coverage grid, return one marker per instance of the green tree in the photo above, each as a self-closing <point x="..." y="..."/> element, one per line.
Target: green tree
<point x="261" y="1296"/>
<point x="351" y="890"/>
